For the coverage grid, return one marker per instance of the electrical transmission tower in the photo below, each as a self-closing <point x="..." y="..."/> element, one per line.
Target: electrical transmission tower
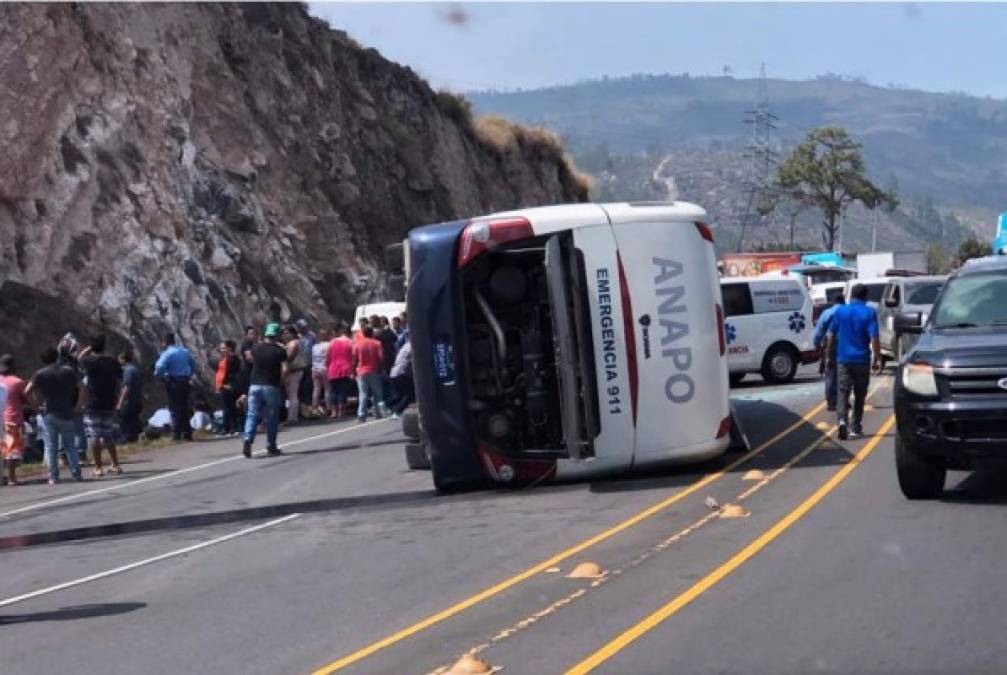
<point x="761" y="158"/>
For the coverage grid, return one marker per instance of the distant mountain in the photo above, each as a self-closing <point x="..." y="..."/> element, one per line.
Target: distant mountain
<point x="673" y="135"/>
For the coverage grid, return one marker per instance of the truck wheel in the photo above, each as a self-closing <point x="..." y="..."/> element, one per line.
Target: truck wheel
<point x="411" y="425"/>
<point x="736" y="378"/>
<point x="416" y="456"/>
<point x="919" y="477"/>
<point x="780" y="364"/>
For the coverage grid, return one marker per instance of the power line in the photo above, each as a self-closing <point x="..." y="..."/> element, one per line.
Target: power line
<point x="759" y="151"/>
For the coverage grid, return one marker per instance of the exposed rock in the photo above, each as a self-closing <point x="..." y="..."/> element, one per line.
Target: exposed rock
<point x="195" y="167"/>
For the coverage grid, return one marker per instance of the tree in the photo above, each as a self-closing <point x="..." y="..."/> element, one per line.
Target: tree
<point x="826" y="171"/>
<point x="937" y="259"/>
<point x="970" y="248"/>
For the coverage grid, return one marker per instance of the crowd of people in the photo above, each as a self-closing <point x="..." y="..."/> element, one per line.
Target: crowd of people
<point x="88" y="401"/>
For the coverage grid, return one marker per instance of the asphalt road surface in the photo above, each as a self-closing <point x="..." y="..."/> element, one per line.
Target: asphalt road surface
<point x="800" y="556"/>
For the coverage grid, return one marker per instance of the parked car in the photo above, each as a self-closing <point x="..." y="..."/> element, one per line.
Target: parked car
<point x="875" y="289"/>
<point x="901" y="295"/>
<point x="951" y="386"/>
<point x="769" y="327"/>
<point x="565" y="341"/>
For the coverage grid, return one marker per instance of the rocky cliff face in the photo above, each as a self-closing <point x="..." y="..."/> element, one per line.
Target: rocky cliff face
<point x="196" y="167"/>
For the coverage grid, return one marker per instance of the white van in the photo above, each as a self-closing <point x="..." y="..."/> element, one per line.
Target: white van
<point x="825" y="294"/>
<point x="565" y="341"/>
<point x="875" y="289"/>
<point x="769" y="327"/>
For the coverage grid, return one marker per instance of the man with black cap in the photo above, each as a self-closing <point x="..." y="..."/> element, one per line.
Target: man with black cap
<point x="265" y="390"/>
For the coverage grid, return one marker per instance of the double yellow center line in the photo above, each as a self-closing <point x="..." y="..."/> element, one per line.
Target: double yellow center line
<point x="554" y="560"/>
<point x="651" y="621"/>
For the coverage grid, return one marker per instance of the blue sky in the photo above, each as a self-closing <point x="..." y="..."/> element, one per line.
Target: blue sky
<point x="463" y="46"/>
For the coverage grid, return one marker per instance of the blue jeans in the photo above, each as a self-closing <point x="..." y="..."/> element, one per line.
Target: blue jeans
<point x="831" y="386"/>
<point x="56" y="429"/>
<point x="263" y="401"/>
<point x="368" y="386"/>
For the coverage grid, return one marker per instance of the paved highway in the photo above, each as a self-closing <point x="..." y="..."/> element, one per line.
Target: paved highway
<point x="799" y="556"/>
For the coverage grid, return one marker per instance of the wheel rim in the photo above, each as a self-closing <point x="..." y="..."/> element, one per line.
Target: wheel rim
<point x="780" y="364"/>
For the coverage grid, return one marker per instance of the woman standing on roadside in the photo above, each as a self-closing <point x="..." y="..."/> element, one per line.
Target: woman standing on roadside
<point x="319" y="373"/>
<point x="13" y="418"/>
<point x="227" y="384"/>
<point x="297" y="363"/>
<point x="340" y="370"/>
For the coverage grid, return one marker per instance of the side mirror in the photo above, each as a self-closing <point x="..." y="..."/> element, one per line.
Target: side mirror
<point x="891" y="302"/>
<point x="910" y="323"/>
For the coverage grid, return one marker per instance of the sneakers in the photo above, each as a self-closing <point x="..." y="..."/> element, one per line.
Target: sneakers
<point x="273" y="452"/>
<point x="53" y="481"/>
<point x="79" y="476"/>
<point x="246" y="448"/>
<point x="843" y="433"/>
<point x="361" y="419"/>
<point x="855" y="433"/>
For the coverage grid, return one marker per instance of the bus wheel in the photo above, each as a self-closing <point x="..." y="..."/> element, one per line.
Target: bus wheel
<point x="416" y="456"/>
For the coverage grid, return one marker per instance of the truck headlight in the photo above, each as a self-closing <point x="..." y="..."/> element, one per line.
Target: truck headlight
<point x="919" y="379"/>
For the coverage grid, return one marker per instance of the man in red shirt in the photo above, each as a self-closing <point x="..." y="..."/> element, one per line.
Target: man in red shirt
<point x="368" y="361"/>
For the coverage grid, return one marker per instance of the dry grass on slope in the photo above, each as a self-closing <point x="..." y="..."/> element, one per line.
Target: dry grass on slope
<point x="505" y="136"/>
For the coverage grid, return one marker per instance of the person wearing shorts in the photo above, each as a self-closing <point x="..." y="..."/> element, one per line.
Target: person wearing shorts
<point x="12" y="447"/>
<point x="320" y="392"/>
<point x="102" y="379"/>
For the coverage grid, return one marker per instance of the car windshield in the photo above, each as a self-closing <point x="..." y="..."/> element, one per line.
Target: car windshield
<point x="923" y="293"/>
<point x="974" y="300"/>
<point x="874" y="292"/>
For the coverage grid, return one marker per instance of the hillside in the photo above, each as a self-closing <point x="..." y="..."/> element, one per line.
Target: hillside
<point x="946" y="154"/>
<point x="196" y="167"/>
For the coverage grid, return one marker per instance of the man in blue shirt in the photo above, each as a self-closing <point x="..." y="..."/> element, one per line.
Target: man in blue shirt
<point x="175" y="367"/>
<point x="854" y="328"/>
<point x="828" y="360"/>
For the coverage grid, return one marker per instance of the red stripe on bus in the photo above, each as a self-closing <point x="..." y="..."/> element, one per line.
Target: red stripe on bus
<point x="630" y="330"/>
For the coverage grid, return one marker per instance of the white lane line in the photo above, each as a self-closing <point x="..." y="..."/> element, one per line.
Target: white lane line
<point x="148" y="561"/>
<point x="172" y="474"/>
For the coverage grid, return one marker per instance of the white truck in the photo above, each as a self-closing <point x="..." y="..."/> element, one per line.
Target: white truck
<point x="876" y="265"/>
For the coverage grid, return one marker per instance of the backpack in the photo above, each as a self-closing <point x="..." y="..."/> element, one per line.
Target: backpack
<point x="301" y="360"/>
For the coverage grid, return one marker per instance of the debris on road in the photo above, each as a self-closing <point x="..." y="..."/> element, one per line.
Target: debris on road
<point x="586" y="570"/>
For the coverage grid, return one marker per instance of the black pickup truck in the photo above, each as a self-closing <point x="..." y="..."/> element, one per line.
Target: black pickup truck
<point x="951" y="388"/>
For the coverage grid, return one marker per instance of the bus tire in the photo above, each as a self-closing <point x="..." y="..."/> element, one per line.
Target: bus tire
<point x="411" y="425"/>
<point x="416" y="456"/>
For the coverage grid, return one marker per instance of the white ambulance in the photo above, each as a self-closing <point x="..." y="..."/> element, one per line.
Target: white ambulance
<point x="566" y="341"/>
<point x="769" y="326"/>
